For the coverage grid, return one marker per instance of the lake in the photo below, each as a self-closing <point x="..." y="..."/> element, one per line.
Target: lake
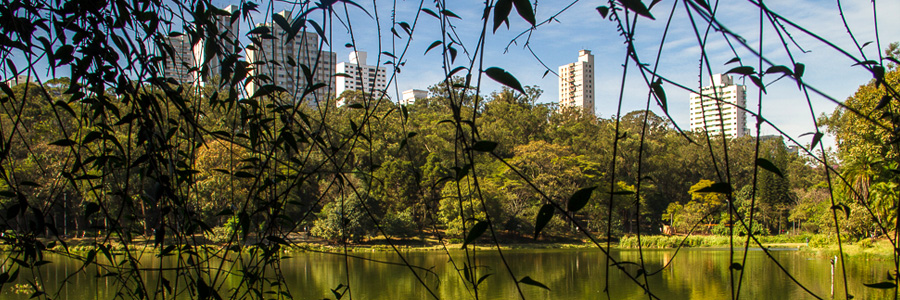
<point x="569" y="273"/>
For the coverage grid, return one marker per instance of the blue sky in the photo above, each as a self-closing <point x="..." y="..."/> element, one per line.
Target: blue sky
<point x="581" y="27"/>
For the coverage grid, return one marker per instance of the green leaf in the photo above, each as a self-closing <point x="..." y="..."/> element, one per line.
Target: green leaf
<point x="527" y="280"/>
<point x="431" y="12"/>
<point x="637" y="7"/>
<point x="736" y="267"/>
<point x="884" y="102"/>
<point x="758" y="82"/>
<point x="798" y="70"/>
<point x="733" y="60"/>
<point x="475" y="232"/>
<point x="815" y="140"/>
<point x="881" y="285"/>
<point x="842" y="207"/>
<point x="90" y="208"/>
<point x="505" y="78"/>
<point x="743" y="70"/>
<point x="449" y="14"/>
<point x="580" y="198"/>
<point x="523" y="7"/>
<point x="657" y="88"/>
<point x="281" y="21"/>
<point x="603" y="10"/>
<point x="435" y="44"/>
<point x="718" y="187"/>
<point x="483" y="278"/>
<point x="622" y="193"/>
<point x="779" y="69"/>
<point x="64" y="143"/>
<point x="278" y="240"/>
<point x="355" y="106"/>
<point x="543" y="218"/>
<point x="768" y="165"/>
<point x="484" y="146"/>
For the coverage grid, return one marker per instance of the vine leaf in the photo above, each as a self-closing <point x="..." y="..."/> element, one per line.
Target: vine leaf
<point x="543" y="218"/>
<point x="884" y="102"/>
<point x="477" y="230"/>
<point x="637" y="7"/>
<point x="815" y="140"/>
<point x="768" y="165"/>
<point x="523" y="7"/>
<point x="505" y="78"/>
<point x="718" y="187"/>
<point x="580" y="198"/>
<point x="603" y="10"/>
<point x="501" y="13"/>
<point x="527" y="280"/>
<point x="435" y="44"/>
<point x="743" y="70"/>
<point x="881" y="285"/>
<point x="484" y="146"/>
<point x="660" y="94"/>
<point x="90" y="208"/>
<point x="842" y="207"/>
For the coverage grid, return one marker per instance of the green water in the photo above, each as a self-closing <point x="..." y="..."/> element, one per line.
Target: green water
<point x="570" y="274"/>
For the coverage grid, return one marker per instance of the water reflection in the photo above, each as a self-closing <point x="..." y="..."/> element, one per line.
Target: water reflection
<point x="571" y="274"/>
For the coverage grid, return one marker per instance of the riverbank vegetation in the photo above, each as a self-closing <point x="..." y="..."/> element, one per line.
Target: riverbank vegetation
<point x="100" y="142"/>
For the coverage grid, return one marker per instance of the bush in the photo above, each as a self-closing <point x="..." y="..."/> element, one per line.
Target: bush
<point x="399" y="224"/>
<point x="222" y="234"/>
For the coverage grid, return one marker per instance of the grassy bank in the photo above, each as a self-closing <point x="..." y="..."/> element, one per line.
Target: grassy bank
<point x="663" y="241"/>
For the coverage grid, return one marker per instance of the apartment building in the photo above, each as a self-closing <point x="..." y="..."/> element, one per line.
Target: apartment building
<point x="360" y="76"/>
<point x="185" y="62"/>
<point x="576" y="83"/>
<point x="716" y="109"/>
<point x="278" y="59"/>
<point x="410" y="96"/>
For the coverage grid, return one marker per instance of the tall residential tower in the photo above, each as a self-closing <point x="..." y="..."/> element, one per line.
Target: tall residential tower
<point x="576" y="83"/>
<point x="720" y="117"/>
<point x="185" y="62"/>
<point x="360" y="76"/>
<point x="279" y="59"/>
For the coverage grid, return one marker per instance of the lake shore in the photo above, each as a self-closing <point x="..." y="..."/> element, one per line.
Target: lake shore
<point x="879" y="249"/>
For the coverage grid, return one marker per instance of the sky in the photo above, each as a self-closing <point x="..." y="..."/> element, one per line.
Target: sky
<point x="580" y="26"/>
<point x="577" y="25"/>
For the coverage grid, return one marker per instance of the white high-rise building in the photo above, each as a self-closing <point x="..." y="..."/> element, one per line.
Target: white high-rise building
<point x="279" y="61"/>
<point x="360" y="76"/>
<point x="185" y="63"/>
<point x="576" y="83"/>
<point x="720" y="117"/>
<point x="410" y="96"/>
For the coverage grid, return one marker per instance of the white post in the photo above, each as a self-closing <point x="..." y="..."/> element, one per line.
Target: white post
<point x="832" y="276"/>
